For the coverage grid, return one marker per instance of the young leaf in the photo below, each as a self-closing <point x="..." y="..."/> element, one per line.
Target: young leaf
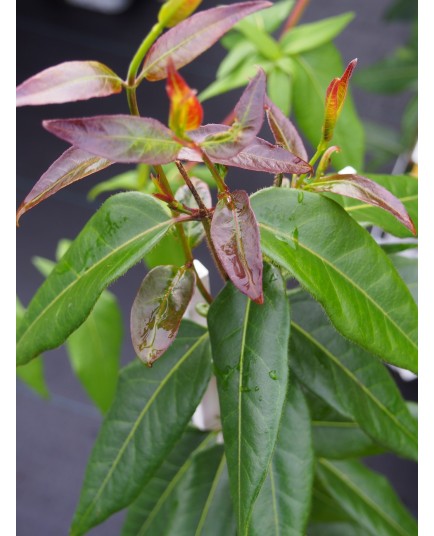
<point x="194" y="231"/>
<point x="115" y="238"/>
<point x="365" y="190"/>
<point x="193" y="36"/>
<point x="121" y="138"/>
<point x="172" y="12"/>
<point x="314" y="34"/>
<point x="304" y="234"/>
<point x="285" y="133"/>
<point x="235" y="235"/>
<point x="367" y="497"/>
<point x="134" y="439"/>
<point x="351" y="381"/>
<point x="252" y="374"/>
<point x="67" y="82"/>
<point x="152" y="506"/>
<point x="283" y="504"/>
<point x="186" y="112"/>
<point x="73" y="165"/>
<point x="158" y="309"/>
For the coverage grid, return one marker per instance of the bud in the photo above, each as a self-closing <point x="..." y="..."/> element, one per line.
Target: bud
<point x="175" y="11"/>
<point x="335" y="98"/>
<point x="186" y="112"/>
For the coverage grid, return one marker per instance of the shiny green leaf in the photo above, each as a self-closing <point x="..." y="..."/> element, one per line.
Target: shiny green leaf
<point x="304" y="234"/>
<point x="135" y="438"/>
<point x="249" y="344"/>
<point x="114" y="239"/>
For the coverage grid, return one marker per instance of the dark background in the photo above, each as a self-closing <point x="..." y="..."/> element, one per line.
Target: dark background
<point x="54" y="437"/>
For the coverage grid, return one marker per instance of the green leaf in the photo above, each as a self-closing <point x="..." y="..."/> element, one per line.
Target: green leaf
<point x="280" y="89"/>
<point x="235" y="59"/>
<point x="367" y="497"/>
<point x="391" y="75"/>
<point x="149" y="414"/>
<point x="114" y="239"/>
<point x="314" y="34"/>
<point x="335" y="529"/>
<point x="403" y="187"/>
<point x="407" y="268"/>
<point x="169" y="250"/>
<point x="314" y="71"/>
<point x="264" y="43"/>
<point x="324" y="507"/>
<point x="409" y="123"/>
<point x="353" y="382"/>
<point x="151" y="507"/>
<point x="95" y="350"/>
<point x="31" y="374"/>
<point x="194" y="230"/>
<point x="283" y="504"/>
<point x="270" y="19"/>
<point x="249" y="345"/>
<point x="314" y="239"/>
<point x="123" y="181"/>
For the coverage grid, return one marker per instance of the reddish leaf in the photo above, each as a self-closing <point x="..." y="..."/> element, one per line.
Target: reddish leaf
<point x="158" y="309"/>
<point x="235" y="235"/>
<point x="73" y="165"/>
<point x="120" y="138"/>
<point x="365" y="190"/>
<point x="335" y="98"/>
<point x="285" y="133"/>
<point x="172" y="12"/>
<point x="193" y="36"/>
<point x="68" y="82"/>
<point x="186" y="112"/>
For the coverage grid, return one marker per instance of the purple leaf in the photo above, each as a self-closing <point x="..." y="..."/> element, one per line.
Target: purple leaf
<point x="120" y="138"/>
<point x="68" y="82"/>
<point x="365" y="190"/>
<point x="190" y="38"/>
<point x="235" y="235"/>
<point x="73" y="165"/>
<point x="158" y="309"/>
<point x="285" y="133"/>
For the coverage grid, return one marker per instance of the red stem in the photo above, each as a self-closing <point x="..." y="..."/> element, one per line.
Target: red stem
<point x="295" y="15"/>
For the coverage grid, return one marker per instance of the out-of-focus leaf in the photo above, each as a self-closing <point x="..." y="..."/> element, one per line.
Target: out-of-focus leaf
<point x="114" y="239"/>
<point x="314" y="34"/>
<point x="194" y="230"/>
<point x="335" y="529"/>
<point x="367" y="497"/>
<point x="325" y="509"/>
<point x="235" y="236"/>
<point x="402" y="10"/>
<point x="396" y="247"/>
<point x="407" y="268"/>
<point x="122" y="138"/>
<point x="193" y="36"/>
<point x="283" y="504"/>
<point x="169" y="250"/>
<point x="314" y="70"/>
<point x="234" y="59"/>
<point x="285" y="133"/>
<point x="390" y="75"/>
<point x="353" y="382"/>
<point x="134" y="439"/>
<point x="124" y="181"/>
<point x="67" y="82"/>
<point x="303" y="234"/>
<point x="249" y="344"/>
<point x="73" y="165"/>
<point x="270" y="19"/>
<point x="158" y="309"/>
<point x="365" y="190"/>
<point x="409" y="123"/>
<point x="280" y="89"/>
<point x="264" y="43"/>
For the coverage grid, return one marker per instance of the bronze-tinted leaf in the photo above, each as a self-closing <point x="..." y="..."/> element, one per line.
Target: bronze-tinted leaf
<point x="67" y="82"/>
<point x="235" y="235"/>
<point x="284" y="131"/>
<point x="158" y="309"/>
<point x="191" y="37"/>
<point x="73" y="165"/>
<point x="365" y="190"/>
<point x="121" y="138"/>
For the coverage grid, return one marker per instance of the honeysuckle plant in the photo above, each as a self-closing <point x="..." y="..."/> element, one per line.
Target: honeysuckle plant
<point x="302" y="388"/>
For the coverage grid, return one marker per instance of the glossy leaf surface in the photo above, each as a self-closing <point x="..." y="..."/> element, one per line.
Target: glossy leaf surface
<point x="134" y="440"/>
<point x="67" y="82"/>
<point x="115" y="238"/>
<point x="121" y="138"/>
<point x="193" y="36"/>
<point x="284" y="132"/>
<point x="353" y="382"/>
<point x="249" y="351"/>
<point x="303" y="234"/>
<point x="367" y="497"/>
<point x="194" y="229"/>
<point x="235" y="235"/>
<point x="283" y="504"/>
<point x="365" y="190"/>
<point x="73" y="165"/>
<point x="158" y="309"/>
<point x="314" y="70"/>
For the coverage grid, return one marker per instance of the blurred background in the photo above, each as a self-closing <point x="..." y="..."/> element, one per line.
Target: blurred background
<point x="55" y="436"/>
